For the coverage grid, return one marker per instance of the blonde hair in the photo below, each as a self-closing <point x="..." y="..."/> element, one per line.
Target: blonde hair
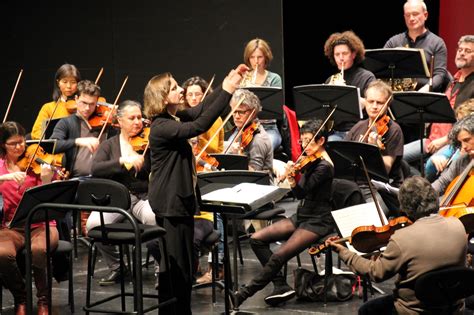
<point x="465" y="108"/>
<point x="260" y="44"/>
<point x="156" y="92"/>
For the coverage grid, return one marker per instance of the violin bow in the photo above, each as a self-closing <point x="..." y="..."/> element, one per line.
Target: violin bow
<point x="385" y="105"/>
<point x="208" y="88"/>
<point x="99" y="75"/>
<point x="317" y="132"/>
<point x="372" y="192"/>
<point x="13" y="95"/>
<point x="113" y="108"/>
<point x="240" y="131"/>
<point x="198" y="157"/>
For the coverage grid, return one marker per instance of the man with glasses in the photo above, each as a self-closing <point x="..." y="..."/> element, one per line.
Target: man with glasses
<point x="75" y="137"/>
<point x="256" y="145"/>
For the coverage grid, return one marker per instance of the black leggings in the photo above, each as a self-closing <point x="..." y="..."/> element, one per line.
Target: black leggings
<point x="297" y="240"/>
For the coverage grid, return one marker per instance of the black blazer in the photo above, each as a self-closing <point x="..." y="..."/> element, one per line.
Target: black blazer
<point x="171" y="191"/>
<point x="107" y="165"/>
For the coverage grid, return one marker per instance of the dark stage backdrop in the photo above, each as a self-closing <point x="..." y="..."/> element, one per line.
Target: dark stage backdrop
<point x="144" y="38"/>
<point x="134" y="38"/>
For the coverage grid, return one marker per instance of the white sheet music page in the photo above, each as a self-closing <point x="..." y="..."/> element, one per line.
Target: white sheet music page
<point x="244" y="193"/>
<point x="347" y="219"/>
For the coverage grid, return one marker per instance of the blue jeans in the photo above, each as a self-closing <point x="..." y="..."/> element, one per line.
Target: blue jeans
<point x="411" y="151"/>
<point x="273" y="133"/>
<point x="449" y="152"/>
<point x="337" y="135"/>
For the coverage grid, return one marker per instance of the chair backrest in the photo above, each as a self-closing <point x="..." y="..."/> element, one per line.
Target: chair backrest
<point x="103" y="192"/>
<point x="443" y="287"/>
<point x="345" y="193"/>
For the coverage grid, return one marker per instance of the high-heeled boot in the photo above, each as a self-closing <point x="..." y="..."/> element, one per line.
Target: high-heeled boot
<point x="270" y="270"/>
<point x="41" y="282"/>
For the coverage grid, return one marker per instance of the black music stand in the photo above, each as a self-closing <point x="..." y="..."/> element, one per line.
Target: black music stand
<point x="396" y="63"/>
<point x="317" y="101"/>
<point x="347" y="164"/>
<point x="49" y="131"/>
<point x="231" y="161"/>
<point x="211" y="181"/>
<point x="49" y="145"/>
<point x="421" y="108"/>
<point x="57" y="192"/>
<point x="271" y="99"/>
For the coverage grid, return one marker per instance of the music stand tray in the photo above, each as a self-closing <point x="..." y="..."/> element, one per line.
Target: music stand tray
<point x="57" y="192"/>
<point x="346" y="158"/>
<point x="317" y="101"/>
<point x="231" y="161"/>
<point x="271" y="99"/>
<point x="396" y="63"/>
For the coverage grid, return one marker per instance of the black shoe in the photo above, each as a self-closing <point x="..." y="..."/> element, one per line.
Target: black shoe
<point x="279" y="295"/>
<point x="112" y="278"/>
<point x="236" y="299"/>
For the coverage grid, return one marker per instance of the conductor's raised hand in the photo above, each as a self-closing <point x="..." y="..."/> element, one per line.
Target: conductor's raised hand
<point x="232" y="80"/>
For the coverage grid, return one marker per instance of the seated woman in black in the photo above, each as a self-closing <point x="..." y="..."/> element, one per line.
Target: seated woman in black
<point x="311" y="221"/>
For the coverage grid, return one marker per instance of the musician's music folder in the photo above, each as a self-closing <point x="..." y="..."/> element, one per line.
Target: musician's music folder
<point x="250" y="196"/>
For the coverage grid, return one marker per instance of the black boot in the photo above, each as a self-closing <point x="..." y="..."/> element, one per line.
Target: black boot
<point x="270" y="270"/>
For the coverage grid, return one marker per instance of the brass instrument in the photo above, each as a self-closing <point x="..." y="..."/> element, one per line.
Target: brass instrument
<point x="337" y="79"/>
<point x="402" y="84"/>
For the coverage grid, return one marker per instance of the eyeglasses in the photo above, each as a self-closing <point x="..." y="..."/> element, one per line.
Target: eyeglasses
<point x="241" y="112"/>
<point x="466" y="50"/>
<point x="15" y="144"/>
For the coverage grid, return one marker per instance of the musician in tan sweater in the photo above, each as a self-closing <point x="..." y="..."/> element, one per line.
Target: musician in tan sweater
<point x="430" y="243"/>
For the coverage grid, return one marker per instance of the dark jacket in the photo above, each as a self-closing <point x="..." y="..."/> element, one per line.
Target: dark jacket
<point x="171" y="191"/>
<point x="106" y="165"/>
<point x="66" y="131"/>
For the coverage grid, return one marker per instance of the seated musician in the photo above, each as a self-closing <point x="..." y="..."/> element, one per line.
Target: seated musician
<point x="250" y="138"/>
<point x="13" y="183"/>
<point x="194" y="89"/>
<point x="462" y="135"/>
<point x="390" y="142"/>
<point x="256" y="145"/>
<point x="65" y="87"/>
<point x="312" y="220"/>
<point x="116" y="159"/>
<point x="411" y="251"/>
<point x="75" y="136"/>
<point x="346" y="51"/>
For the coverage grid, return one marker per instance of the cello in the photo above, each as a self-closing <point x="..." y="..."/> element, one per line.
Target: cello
<point x="458" y="199"/>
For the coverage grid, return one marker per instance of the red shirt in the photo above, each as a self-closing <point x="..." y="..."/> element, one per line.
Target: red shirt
<point x="12" y="193"/>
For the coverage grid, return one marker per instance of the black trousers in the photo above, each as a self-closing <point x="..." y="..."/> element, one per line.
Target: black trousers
<point x="381" y="305"/>
<point x="179" y="242"/>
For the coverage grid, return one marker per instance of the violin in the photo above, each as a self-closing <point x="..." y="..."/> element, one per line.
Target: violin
<point x="140" y="141"/>
<point x="101" y="115"/>
<point x="204" y="160"/>
<point x="41" y="157"/>
<point x="305" y="162"/>
<point x="247" y="135"/>
<point x="367" y="239"/>
<point x="381" y="127"/>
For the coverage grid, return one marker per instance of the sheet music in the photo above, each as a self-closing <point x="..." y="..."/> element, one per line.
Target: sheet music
<point x="349" y="218"/>
<point x="244" y="193"/>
